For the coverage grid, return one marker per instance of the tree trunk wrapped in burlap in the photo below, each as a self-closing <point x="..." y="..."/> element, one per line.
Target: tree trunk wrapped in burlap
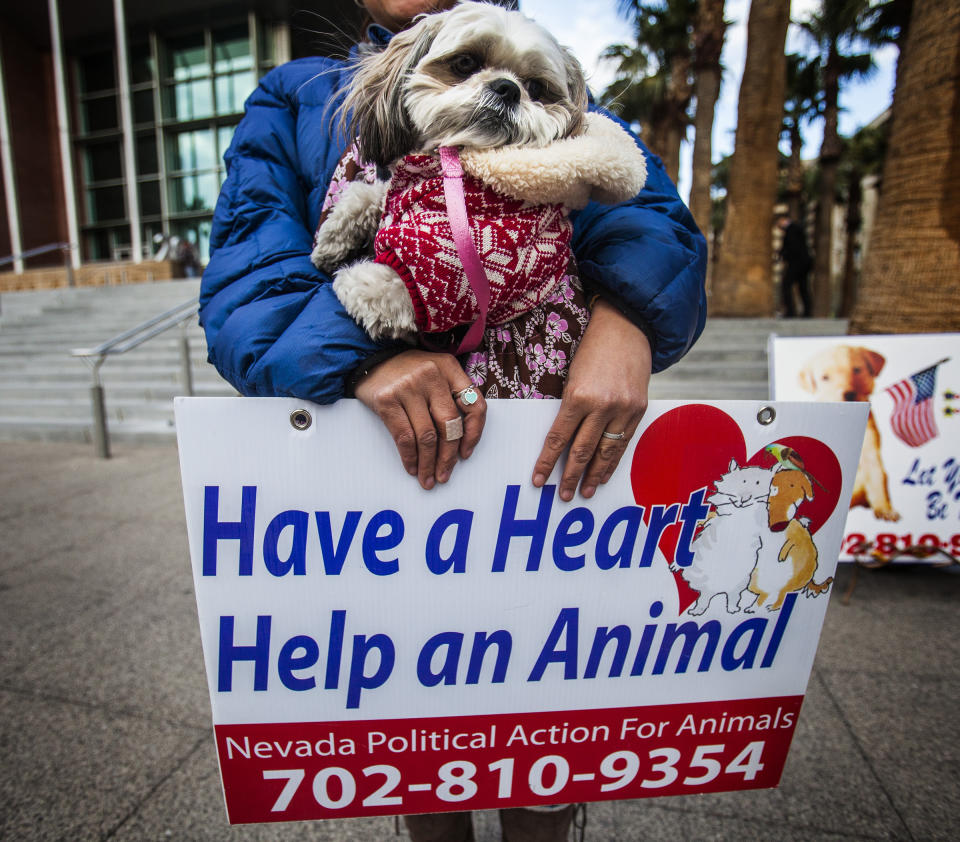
<point x="911" y="276"/>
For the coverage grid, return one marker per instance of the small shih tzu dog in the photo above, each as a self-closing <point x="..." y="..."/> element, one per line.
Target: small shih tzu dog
<point x="485" y="98"/>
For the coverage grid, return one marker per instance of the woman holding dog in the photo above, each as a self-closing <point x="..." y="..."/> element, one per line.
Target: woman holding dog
<point x="275" y="328"/>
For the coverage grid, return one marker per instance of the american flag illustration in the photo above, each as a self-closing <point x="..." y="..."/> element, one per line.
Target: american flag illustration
<point x="912" y="419"/>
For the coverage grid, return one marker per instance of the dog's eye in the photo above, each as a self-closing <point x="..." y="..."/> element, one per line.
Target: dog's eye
<point x="540" y="91"/>
<point x="856" y="369"/>
<point x="824" y="376"/>
<point x="536" y="89"/>
<point x="464" y="65"/>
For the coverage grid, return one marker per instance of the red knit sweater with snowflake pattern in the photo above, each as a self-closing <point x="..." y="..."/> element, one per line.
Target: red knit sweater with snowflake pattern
<point x="524" y="248"/>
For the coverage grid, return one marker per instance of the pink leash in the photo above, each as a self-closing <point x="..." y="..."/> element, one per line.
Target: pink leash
<point x="466" y="250"/>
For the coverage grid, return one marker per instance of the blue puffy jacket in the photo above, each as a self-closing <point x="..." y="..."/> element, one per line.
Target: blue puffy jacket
<point x="274" y="326"/>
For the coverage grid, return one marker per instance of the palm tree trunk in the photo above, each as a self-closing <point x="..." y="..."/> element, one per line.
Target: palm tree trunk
<point x="910" y="278"/>
<point x="743" y="284"/>
<point x="795" y="175"/>
<point x="708" y="45"/>
<point x="708" y="90"/>
<point x="657" y="139"/>
<point x="854" y="222"/>
<point x="671" y="152"/>
<point x="829" y="159"/>
<point x="678" y="100"/>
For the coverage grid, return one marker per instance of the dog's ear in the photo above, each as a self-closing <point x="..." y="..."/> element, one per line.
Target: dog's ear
<point x="374" y="108"/>
<point x="805" y="379"/>
<point x="874" y="361"/>
<point x="577" y="87"/>
<point x="732" y="466"/>
<point x="807" y="487"/>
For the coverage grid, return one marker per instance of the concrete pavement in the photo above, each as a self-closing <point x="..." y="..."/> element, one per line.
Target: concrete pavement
<point x="104" y="714"/>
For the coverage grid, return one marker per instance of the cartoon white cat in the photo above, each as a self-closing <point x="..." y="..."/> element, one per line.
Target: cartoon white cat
<point x="726" y="549"/>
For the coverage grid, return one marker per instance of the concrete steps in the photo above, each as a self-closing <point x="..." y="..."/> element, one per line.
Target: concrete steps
<point x="729" y="361"/>
<point x="45" y="393"/>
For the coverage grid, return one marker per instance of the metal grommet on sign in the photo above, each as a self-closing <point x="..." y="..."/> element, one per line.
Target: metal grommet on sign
<point x="300" y="419"/>
<point x="767" y="415"/>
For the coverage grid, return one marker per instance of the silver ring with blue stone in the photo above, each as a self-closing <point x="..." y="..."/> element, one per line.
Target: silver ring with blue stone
<point x="468" y="396"/>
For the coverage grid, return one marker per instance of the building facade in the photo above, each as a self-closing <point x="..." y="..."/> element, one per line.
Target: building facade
<point x="115" y="115"/>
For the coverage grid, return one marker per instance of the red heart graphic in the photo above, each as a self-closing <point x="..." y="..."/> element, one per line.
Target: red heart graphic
<point x="690" y="447"/>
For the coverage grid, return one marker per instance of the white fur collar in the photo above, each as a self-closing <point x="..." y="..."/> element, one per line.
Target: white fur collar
<point x="603" y="163"/>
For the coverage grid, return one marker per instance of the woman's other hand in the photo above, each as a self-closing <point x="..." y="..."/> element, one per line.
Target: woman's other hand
<point x="413" y="393"/>
<point x="606" y="391"/>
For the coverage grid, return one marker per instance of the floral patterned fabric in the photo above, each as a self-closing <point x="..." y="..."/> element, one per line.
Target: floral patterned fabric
<point x="527" y="357"/>
<point x="350" y="168"/>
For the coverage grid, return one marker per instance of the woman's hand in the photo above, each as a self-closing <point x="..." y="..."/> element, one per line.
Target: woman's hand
<point x="606" y="391"/>
<point x="413" y="395"/>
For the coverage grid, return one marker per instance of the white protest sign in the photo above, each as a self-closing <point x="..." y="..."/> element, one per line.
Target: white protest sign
<point x="907" y="489"/>
<point x="372" y="648"/>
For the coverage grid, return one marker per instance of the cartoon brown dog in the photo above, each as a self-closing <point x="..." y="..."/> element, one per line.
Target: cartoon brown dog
<point x="846" y="373"/>
<point x="790" y="566"/>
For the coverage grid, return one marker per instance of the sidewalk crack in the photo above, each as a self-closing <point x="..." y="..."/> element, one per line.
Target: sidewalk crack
<point x="136" y="807"/>
<point x="862" y="750"/>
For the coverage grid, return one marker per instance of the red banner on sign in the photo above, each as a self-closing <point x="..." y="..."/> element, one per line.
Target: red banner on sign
<point x="316" y="770"/>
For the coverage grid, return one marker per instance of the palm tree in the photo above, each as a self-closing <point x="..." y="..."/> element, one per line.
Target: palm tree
<point x="719" y="182"/>
<point x="862" y="156"/>
<point x="835" y="28"/>
<point x="653" y="83"/>
<point x="637" y="94"/>
<point x="910" y="276"/>
<point x="888" y="23"/>
<point x="708" y="35"/>
<point x="743" y="285"/>
<point x="802" y="105"/>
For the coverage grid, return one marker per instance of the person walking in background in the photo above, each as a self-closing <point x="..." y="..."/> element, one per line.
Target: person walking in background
<point x="796" y="266"/>
<point x="181" y="251"/>
<point x="186" y="256"/>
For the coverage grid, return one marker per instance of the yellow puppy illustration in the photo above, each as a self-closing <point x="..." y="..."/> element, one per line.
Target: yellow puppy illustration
<point x="784" y="568"/>
<point x="846" y="373"/>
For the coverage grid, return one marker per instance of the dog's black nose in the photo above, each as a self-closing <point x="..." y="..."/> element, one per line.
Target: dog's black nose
<point x="507" y="90"/>
<point x="849" y="396"/>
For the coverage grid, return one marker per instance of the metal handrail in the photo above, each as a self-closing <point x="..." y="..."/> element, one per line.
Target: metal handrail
<point x="136" y="336"/>
<point x="35" y="251"/>
<point x="127" y="341"/>
<point x="66" y="248"/>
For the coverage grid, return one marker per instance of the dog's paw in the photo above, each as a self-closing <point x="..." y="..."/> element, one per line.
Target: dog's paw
<point x="328" y="253"/>
<point x="376" y="297"/>
<point x="351" y="225"/>
<point x="886" y="513"/>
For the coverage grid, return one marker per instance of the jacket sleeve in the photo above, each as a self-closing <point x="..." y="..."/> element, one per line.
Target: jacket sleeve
<point x="649" y="259"/>
<point x="274" y="326"/>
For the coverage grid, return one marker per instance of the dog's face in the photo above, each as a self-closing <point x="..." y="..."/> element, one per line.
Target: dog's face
<point x="476" y="76"/>
<point x="788" y="489"/>
<point x="842" y="373"/>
